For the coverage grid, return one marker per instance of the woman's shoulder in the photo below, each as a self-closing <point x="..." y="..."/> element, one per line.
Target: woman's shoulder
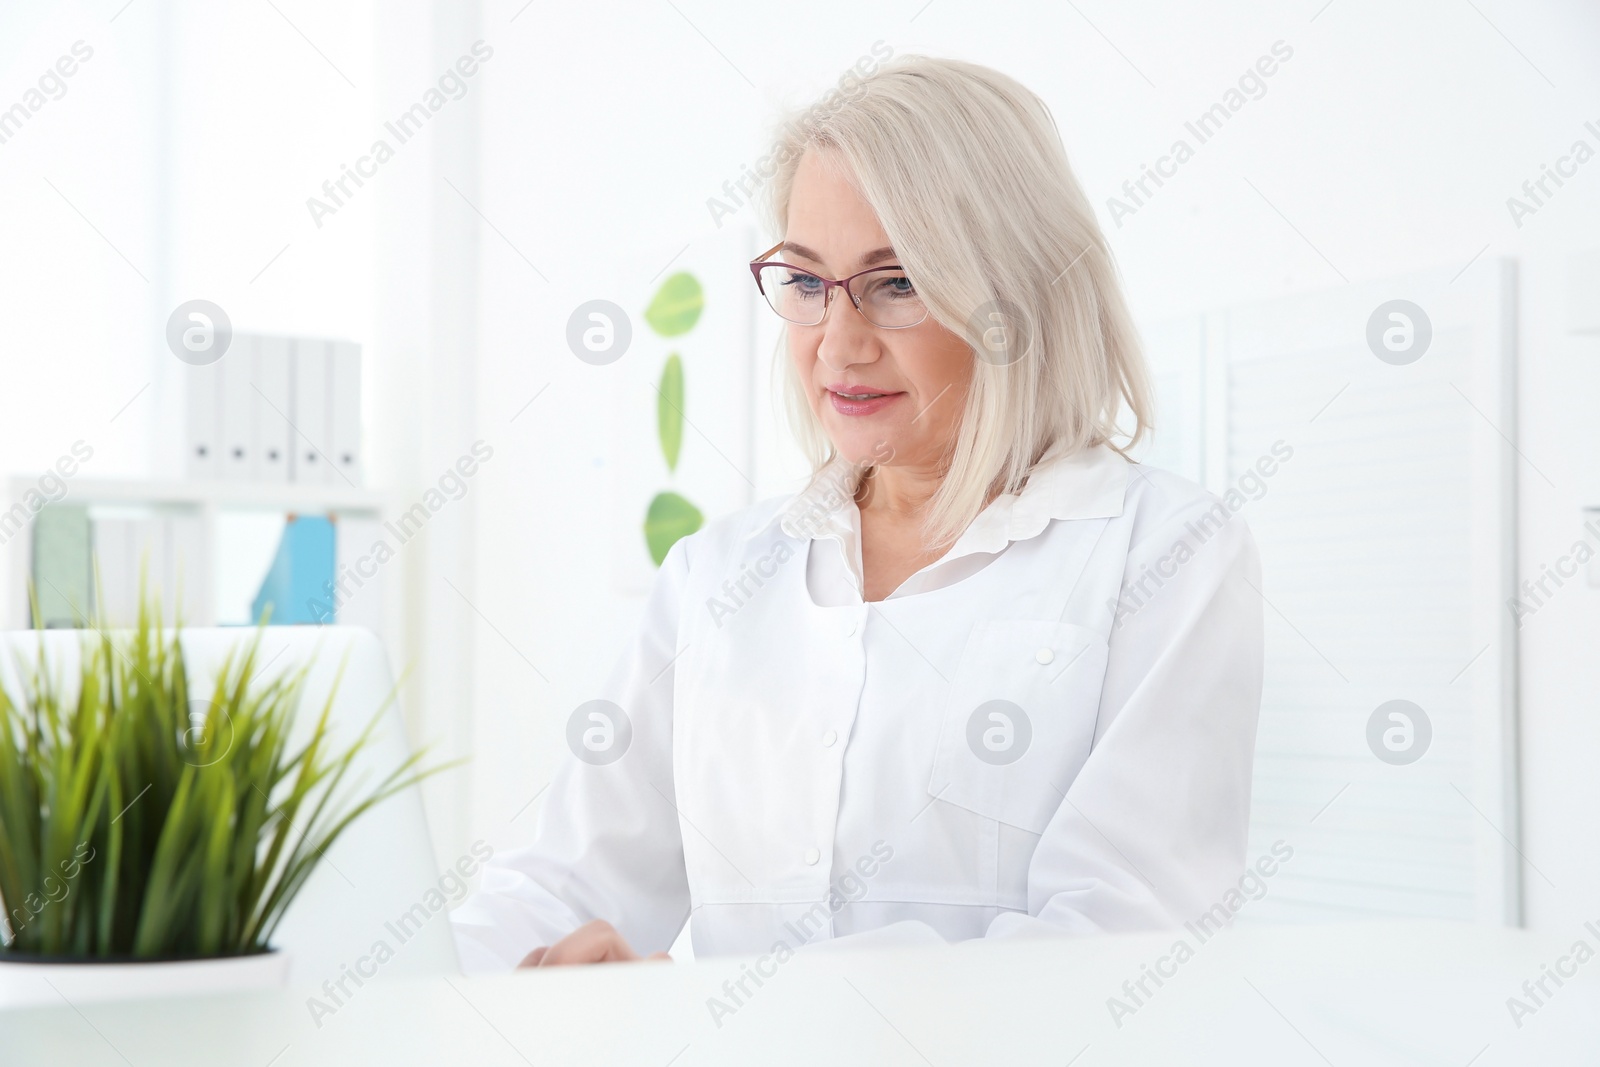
<point x="1160" y="499"/>
<point x="1155" y="493"/>
<point x="752" y="528"/>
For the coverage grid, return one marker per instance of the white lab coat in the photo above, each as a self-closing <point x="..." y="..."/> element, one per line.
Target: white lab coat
<point x="1049" y="730"/>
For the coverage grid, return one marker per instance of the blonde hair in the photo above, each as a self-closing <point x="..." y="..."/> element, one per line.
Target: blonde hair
<point x="967" y="174"/>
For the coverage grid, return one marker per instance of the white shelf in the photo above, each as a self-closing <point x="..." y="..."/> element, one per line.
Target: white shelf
<point x="208" y="501"/>
<point x="252" y="495"/>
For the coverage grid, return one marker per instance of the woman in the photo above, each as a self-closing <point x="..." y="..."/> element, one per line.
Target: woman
<point x="985" y="677"/>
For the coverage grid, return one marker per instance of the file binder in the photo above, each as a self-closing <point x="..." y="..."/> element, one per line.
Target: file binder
<point x="203" y="387"/>
<point x="345" y="407"/>
<point x="236" y="424"/>
<point x="274" y="404"/>
<point x="310" y="416"/>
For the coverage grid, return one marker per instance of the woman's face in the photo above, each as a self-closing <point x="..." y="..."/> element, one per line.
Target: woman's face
<point x="920" y="373"/>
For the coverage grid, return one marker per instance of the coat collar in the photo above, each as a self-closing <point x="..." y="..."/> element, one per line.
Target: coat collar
<point x="1090" y="483"/>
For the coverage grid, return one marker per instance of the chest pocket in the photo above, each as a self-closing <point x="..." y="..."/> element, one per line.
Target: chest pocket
<point x="1018" y="719"/>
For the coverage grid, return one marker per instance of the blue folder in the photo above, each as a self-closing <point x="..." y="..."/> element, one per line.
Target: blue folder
<point x="299" y="582"/>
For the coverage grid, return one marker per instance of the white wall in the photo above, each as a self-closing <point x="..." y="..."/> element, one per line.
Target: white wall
<point x="587" y="148"/>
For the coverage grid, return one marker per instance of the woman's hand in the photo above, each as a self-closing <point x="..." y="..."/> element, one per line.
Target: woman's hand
<point x="593" y="942"/>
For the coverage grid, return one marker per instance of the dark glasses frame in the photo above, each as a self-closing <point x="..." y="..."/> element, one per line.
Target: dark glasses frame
<point x="828" y="286"/>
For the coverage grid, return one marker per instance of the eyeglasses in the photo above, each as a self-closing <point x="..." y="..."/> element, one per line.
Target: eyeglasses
<point x="884" y="295"/>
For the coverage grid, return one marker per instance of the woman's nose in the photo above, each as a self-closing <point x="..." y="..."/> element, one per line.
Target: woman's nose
<point x="847" y="337"/>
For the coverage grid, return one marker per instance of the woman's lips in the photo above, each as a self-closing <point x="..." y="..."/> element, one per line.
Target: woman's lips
<point x="846" y="405"/>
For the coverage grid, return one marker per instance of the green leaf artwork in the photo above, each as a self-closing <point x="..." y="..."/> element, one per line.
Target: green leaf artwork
<point x="669" y="410"/>
<point x="672" y="312"/>
<point x="670" y="518"/>
<point x="677" y="305"/>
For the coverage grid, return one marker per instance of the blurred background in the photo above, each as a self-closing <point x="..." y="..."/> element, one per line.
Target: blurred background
<point x="1362" y="243"/>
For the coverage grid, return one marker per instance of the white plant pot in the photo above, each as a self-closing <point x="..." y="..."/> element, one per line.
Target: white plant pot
<point x="34" y="984"/>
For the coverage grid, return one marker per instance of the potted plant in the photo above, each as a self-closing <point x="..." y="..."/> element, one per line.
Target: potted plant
<point x="151" y="838"/>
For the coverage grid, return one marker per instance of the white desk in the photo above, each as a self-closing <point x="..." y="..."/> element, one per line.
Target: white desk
<point x="1350" y="996"/>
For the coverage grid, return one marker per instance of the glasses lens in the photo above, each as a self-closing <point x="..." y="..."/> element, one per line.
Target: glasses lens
<point x="794" y="294"/>
<point x="888" y="299"/>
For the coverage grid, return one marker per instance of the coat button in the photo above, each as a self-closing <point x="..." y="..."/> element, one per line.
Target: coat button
<point x="1044" y="655"/>
<point x="850" y="628"/>
<point x="829" y="738"/>
<point x="812" y="856"/>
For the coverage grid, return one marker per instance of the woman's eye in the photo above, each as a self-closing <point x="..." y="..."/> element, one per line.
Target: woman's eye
<point x="893" y="287"/>
<point x="806" y="283"/>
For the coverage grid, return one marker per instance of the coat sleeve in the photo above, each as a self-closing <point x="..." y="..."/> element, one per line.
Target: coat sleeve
<point x="607" y="844"/>
<point x="1152" y="831"/>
